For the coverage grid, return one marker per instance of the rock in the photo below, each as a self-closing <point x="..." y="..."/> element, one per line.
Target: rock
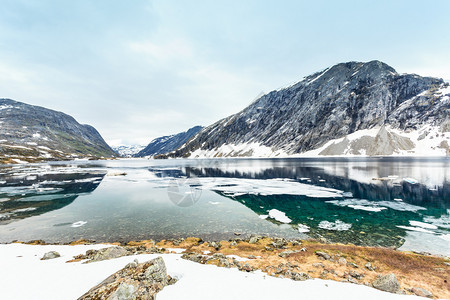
<point x="350" y="279"/>
<point x="50" y="255"/>
<point x="198" y="258"/>
<point x="279" y="243"/>
<point x="141" y="282"/>
<point x="350" y="264"/>
<point x="288" y="252"/>
<point x="171" y="280"/>
<point x="387" y="283"/>
<point x="342" y="261"/>
<point x="296" y="243"/>
<point x="246" y="267"/>
<point x="253" y="240"/>
<point x="109" y="253"/>
<point x="323" y="255"/>
<point x="215" y="245"/>
<point x="318" y="265"/>
<point x="447" y="263"/>
<point x="233" y="244"/>
<point x="421" y="292"/>
<point x="356" y="274"/>
<point x="132" y="264"/>
<point x="177" y="242"/>
<point x="300" y="276"/>
<point x="251" y="257"/>
<point x="369" y="267"/>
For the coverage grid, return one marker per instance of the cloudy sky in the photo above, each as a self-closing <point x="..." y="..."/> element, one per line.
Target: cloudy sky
<point x="140" y="69"/>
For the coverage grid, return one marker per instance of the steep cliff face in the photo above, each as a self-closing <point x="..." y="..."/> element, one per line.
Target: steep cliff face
<point x="166" y="144"/>
<point x="345" y="99"/>
<point x="34" y="133"/>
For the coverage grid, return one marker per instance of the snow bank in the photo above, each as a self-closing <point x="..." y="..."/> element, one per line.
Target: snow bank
<point x="28" y="277"/>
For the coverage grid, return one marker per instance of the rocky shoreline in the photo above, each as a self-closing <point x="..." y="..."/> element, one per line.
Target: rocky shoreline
<point x="385" y="269"/>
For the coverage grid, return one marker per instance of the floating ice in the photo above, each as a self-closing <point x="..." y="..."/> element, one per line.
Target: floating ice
<point x="422" y="225"/>
<point x="419" y="229"/>
<point x="360" y="204"/>
<point x="78" y="224"/>
<point x="239" y="186"/>
<point x="401" y="206"/>
<point x="303" y="228"/>
<point x="443" y="221"/>
<point x="367" y="208"/>
<point x="338" y="225"/>
<point x="279" y="216"/>
<point x="263" y="216"/>
<point x="213" y="203"/>
<point x="24" y="209"/>
<point x="376" y="206"/>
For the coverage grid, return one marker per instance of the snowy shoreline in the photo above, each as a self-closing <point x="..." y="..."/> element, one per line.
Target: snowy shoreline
<point x="28" y="277"/>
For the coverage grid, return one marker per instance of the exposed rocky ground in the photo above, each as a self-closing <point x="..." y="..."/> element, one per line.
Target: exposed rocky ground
<point x="347" y="98"/>
<point x="32" y="133"/>
<point x="385" y="269"/>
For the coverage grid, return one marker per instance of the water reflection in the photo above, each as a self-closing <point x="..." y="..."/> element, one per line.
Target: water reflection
<point x="378" y="204"/>
<point x="34" y="190"/>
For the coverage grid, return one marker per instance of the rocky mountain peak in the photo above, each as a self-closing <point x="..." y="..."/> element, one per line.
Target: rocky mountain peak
<point x="330" y="104"/>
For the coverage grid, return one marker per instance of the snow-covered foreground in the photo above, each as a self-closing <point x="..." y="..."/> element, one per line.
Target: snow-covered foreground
<point x="25" y="276"/>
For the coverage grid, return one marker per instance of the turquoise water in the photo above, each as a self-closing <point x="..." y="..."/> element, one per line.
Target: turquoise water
<point x="394" y="202"/>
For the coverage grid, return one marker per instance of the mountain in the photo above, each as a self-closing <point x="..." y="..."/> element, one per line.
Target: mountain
<point x="351" y="108"/>
<point x="169" y="143"/>
<point x="33" y="133"/>
<point x="128" y="150"/>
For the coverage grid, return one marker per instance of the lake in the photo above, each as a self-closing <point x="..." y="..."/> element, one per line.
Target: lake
<point x="392" y="202"/>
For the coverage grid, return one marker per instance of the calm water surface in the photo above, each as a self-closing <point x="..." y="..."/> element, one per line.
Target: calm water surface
<point x="394" y="202"/>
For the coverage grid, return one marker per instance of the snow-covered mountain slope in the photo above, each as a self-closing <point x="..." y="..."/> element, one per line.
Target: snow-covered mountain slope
<point x="166" y="144"/>
<point x="128" y="150"/>
<point x="33" y="133"/>
<point x="351" y="108"/>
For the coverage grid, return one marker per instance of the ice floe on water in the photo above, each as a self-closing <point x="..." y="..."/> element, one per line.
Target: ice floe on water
<point x="239" y="186"/>
<point x="303" y="228"/>
<point x="279" y="216"/>
<point x="263" y="216"/>
<point x="422" y="225"/>
<point x="337" y="225"/>
<point x="376" y="206"/>
<point x="78" y="224"/>
<point x="442" y="221"/>
<point x="419" y="229"/>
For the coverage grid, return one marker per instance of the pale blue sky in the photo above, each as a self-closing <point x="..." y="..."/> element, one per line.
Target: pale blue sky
<point x="140" y="69"/>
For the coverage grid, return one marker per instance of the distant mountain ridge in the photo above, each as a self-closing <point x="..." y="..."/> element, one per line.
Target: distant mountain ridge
<point x="169" y="143"/>
<point x="128" y="150"/>
<point x="352" y="108"/>
<point x="34" y="133"/>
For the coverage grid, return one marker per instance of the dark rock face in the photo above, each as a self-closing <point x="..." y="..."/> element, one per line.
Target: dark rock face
<point x="168" y="143"/>
<point x="135" y="281"/>
<point x="328" y="105"/>
<point x="33" y="131"/>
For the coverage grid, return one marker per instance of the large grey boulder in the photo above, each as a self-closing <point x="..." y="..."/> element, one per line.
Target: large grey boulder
<point x="135" y="281"/>
<point x="387" y="283"/>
